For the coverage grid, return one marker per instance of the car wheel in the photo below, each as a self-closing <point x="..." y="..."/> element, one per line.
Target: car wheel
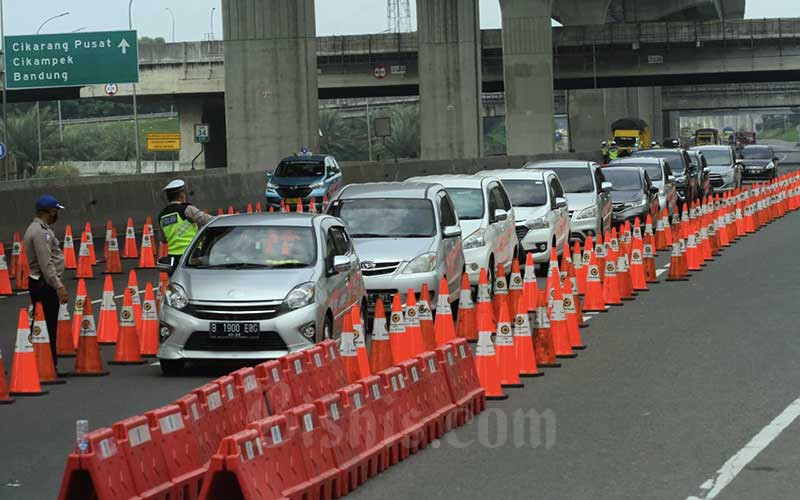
<point x="172" y="367"/>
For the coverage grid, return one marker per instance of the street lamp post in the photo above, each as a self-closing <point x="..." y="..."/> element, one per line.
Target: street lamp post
<point x="172" y="14"/>
<point x="38" y="107"/>
<point x="135" y="112"/>
<point x="212" y="22"/>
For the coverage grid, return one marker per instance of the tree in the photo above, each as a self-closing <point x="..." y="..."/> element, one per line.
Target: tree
<point x="146" y="40"/>
<point x="404" y="141"/>
<point x="22" y="138"/>
<point x="344" y="138"/>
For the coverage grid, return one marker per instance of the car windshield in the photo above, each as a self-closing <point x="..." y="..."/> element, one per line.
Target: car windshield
<point x="653" y="170"/>
<point x="718" y="157"/>
<point x="526" y="193"/>
<point x="627" y="142"/>
<point x="756" y="154"/>
<point x="305" y="168"/>
<point x="674" y="158"/>
<point x="253" y="247"/>
<point x="469" y="202"/>
<point x="387" y="217"/>
<point x="623" y="180"/>
<point x="574" y="180"/>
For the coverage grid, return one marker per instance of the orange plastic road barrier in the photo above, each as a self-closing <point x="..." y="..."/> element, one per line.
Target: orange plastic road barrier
<point x="542" y="335"/>
<point x="113" y="261"/>
<point x="426" y="319"/>
<point x="85" y="261"/>
<point x="413" y="329"/>
<point x="484" y="304"/>
<point x="5" y="397"/>
<point x="70" y="262"/>
<point x="149" y="323"/>
<point x="88" y="362"/>
<point x="147" y="258"/>
<point x="467" y="325"/>
<point x="486" y="360"/>
<point x="348" y="351"/>
<point x="523" y="342"/>
<point x="90" y="243"/>
<point x="359" y="340"/>
<point x="128" y="351"/>
<point x="16" y="248"/>
<point x="130" y="251"/>
<point x="77" y="312"/>
<point x="23" y="271"/>
<point x="40" y="338"/>
<point x="443" y="326"/>
<point x="107" y="324"/>
<point x="573" y="322"/>
<point x="397" y="331"/>
<point x="380" y="352"/>
<point x="514" y="287"/>
<point x="5" y="277"/>
<point x="25" y="369"/>
<point x="65" y="346"/>
<point x="504" y="347"/>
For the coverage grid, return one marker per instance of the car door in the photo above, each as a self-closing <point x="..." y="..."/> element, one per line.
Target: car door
<point x="670" y="191"/>
<point x="560" y="216"/>
<point x="496" y="229"/>
<point x="452" y="248"/>
<point x="352" y="283"/>
<point x="652" y="198"/>
<point x="603" y="199"/>
<point x="508" y="237"/>
<point x="335" y="284"/>
<point x="334" y="179"/>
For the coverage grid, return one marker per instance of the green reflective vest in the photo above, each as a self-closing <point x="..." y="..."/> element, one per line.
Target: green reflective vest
<point x="613" y="153"/>
<point x="177" y="230"/>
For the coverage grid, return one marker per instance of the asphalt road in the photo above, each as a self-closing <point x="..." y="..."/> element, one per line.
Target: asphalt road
<point x="671" y="386"/>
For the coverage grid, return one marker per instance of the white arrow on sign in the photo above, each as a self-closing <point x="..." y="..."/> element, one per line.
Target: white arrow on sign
<point x="124" y="46"/>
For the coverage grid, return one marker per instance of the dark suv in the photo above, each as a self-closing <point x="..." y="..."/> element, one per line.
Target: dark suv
<point x="760" y="162"/>
<point x="301" y="178"/>
<point x="687" y="178"/>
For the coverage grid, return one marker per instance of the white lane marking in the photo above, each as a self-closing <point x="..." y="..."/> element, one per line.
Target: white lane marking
<point x="659" y="272"/>
<point x="739" y="461"/>
<point x="155" y="363"/>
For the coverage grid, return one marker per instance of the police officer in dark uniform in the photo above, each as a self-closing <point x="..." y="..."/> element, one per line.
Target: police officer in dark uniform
<point x="179" y="221"/>
<point x="47" y="265"/>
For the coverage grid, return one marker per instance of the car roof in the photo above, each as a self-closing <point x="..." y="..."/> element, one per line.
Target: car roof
<point x="267" y="219"/>
<point x="638" y="170"/>
<point x="659" y="150"/>
<point x="711" y="147"/>
<point x="297" y="158"/>
<point x="550" y="164"/>
<point x="758" y="146"/>
<point x="516" y="173"/>
<point x="639" y="160"/>
<point x="419" y="190"/>
<point x="454" y="181"/>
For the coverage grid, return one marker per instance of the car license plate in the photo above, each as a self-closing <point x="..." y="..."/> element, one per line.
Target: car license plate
<point x="233" y="330"/>
<point x="292" y="201"/>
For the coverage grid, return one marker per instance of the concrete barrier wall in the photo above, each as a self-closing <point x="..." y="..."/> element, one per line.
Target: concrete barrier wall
<point x="97" y="199"/>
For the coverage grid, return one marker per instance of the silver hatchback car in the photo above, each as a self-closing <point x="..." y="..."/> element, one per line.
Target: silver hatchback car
<point x="259" y="287"/>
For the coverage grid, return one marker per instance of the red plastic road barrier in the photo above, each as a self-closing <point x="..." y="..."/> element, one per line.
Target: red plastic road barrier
<point x="141" y="446"/>
<point x="436" y="396"/>
<point x="364" y="425"/>
<point x="283" y="447"/>
<point x="213" y="425"/>
<point x="252" y="393"/>
<point x="101" y="471"/>
<point x="185" y="464"/>
<point x="380" y="405"/>
<point x="345" y="442"/>
<point x="302" y="383"/>
<point x="275" y="385"/>
<point x="416" y="409"/>
<point x="198" y="425"/>
<point x="320" y="465"/>
<point x="408" y="431"/>
<point x="232" y="405"/>
<point x="335" y="363"/>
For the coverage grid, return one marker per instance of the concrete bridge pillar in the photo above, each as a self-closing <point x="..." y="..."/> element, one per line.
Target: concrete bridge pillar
<point x="449" y="79"/>
<point x="271" y="96"/>
<point x="528" y="75"/>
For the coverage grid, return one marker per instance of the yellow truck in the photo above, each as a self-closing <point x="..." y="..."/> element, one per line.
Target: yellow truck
<point x="630" y="134"/>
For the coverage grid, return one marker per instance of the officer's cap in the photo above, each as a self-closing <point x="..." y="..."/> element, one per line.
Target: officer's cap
<point x="48" y="202"/>
<point x="175" y="185"/>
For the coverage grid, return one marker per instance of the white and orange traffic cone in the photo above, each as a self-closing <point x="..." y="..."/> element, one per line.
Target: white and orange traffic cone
<point x="443" y="326"/>
<point x="128" y="351"/>
<point x="88" y="362"/>
<point x="360" y="342"/>
<point x="24" y="368"/>
<point x="107" y="324"/>
<point x="380" y="352"/>
<point x="130" y="251"/>
<point x="426" y="319"/>
<point x="40" y="338"/>
<point x="467" y="325"/>
<point x="149" y="323"/>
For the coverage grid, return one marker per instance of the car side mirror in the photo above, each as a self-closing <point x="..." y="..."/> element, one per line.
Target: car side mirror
<point x="606" y="187"/>
<point x="561" y="202"/>
<point x="706" y="170"/>
<point x="500" y="215"/>
<point x="166" y="264"/>
<point x="341" y="264"/>
<point x="653" y="189"/>
<point x="269" y="175"/>
<point x="670" y="178"/>
<point x="451" y="232"/>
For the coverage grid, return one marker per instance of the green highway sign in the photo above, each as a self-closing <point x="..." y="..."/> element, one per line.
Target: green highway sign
<point x="71" y="59"/>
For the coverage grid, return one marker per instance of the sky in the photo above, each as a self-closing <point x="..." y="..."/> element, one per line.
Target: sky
<point x="194" y="19"/>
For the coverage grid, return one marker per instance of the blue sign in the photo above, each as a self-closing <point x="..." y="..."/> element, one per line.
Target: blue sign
<point x="3" y="150"/>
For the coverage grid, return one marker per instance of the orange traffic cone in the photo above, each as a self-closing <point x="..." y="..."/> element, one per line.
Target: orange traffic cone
<point x="230" y="210"/>
<point x="70" y="262"/>
<point x="467" y="325"/>
<point x="523" y="341"/>
<point x="443" y="326"/>
<point x="65" y="346"/>
<point x="542" y="335"/>
<point x="5" y="396"/>
<point x="600" y="253"/>
<point x="109" y="228"/>
<point x="611" y="283"/>
<point x="5" y="278"/>
<point x="147" y="259"/>
<point x="163" y="250"/>
<point x="85" y="261"/>
<point x="258" y="207"/>
<point x="90" y="243"/>
<point x="579" y="267"/>
<point x="113" y="262"/>
<point x="397" y="331"/>
<point x="149" y="323"/>
<point x="249" y="209"/>
<point x="25" y="369"/>
<point x="148" y="225"/>
<point x="312" y="207"/>
<point x="504" y="347"/>
<point x="360" y="342"/>
<point x="413" y="329"/>
<point x="638" y="274"/>
<point x="426" y="318"/>
<point x="514" y="287"/>
<point x="77" y="312"/>
<point x="675" y="273"/>
<point x="108" y="325"/>
<point x="16" y="249"/>
<point x="484" y="298"/>
<point x="88" y="362"/>
<point x="128" y="351"/>
<point x="558" y="318"/>
<point x="40" y="338"/>
<point x="23" y="271"/>
<point x="486" y="363"/>
<point x="573" y="320"/>
<point x="500" y="289"/>
<point x="594" y="299"/>
<point x="129" y="251"/>
<point x="348" y="351"/>
<point x="649" y="253"/>
<point x="380" y="352"/>
<point x="623" y="275"/>
<point x="133" y="284"/>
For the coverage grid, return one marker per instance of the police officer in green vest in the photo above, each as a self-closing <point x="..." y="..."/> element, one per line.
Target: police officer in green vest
<point x="180" y="221"/>
<point x="613" y="152"/>
<point x="604" y="151"/>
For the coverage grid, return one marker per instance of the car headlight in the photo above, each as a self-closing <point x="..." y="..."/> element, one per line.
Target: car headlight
<point x="424" y="263"/>
<point x="540" y="223"/>
<point x="175" y="297"/>
<point x="636" y="204"/>
<point x="317" y="185"/>
<point x="270" y="185"/>
<point x="300" y="296"/>
<point x="475" y="240"/>
<point x="587" y="213"/>
<point x="770" y="166"/>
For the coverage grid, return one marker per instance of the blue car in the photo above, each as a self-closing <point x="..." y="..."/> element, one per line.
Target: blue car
<point x="301" y="178"/>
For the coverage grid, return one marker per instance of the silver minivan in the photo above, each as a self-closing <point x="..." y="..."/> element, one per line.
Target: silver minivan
<point x="406" y="235"/>
<point x="259" y="287"/>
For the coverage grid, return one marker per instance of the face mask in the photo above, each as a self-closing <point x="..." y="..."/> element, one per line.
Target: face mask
<point x="54" y="217"/>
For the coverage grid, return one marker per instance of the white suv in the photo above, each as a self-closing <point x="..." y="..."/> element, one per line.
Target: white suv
<point x="540" y="206"/>
<point x="487" y="220"/>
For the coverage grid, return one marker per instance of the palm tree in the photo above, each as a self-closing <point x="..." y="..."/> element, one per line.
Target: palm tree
<point x="21" y="137"/>
<point x="404" y="141"/>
